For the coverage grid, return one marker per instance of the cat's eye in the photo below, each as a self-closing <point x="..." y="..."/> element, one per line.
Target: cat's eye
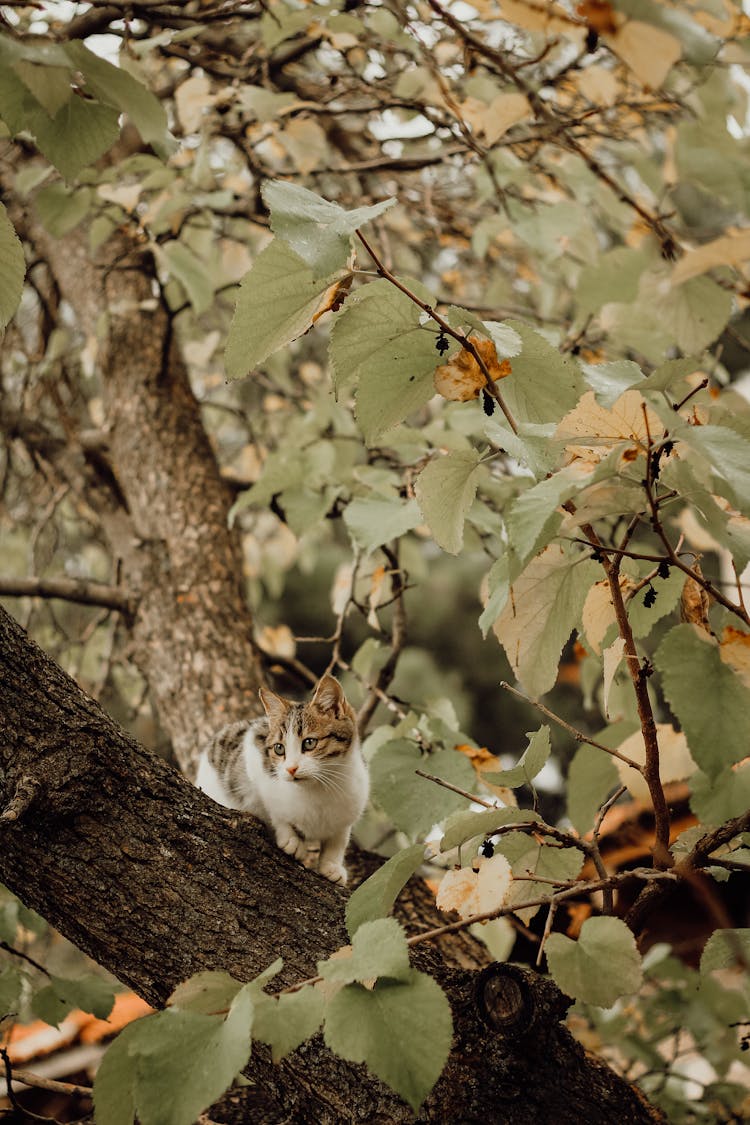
<point x="309" y="743"/>
<point x="278" y="749"/>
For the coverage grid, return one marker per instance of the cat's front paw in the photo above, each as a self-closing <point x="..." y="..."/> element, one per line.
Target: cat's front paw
<point x="336" y="872"/>
<point x="290" y="843"/>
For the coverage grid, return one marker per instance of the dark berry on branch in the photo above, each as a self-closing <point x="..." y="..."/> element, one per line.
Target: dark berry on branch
<point x="488" y="405"/>
<point x="487" y="849"/>
<point x="663" y="570"/>
<point x="649" y="597"/>
<point x="441" y="343"/>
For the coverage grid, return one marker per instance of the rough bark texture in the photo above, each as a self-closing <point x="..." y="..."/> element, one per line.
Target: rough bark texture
<point x="156" y="882"/>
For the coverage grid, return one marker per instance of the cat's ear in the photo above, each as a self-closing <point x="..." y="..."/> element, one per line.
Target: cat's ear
<point x="329" y="696"/>
<point x="273" y="705"/>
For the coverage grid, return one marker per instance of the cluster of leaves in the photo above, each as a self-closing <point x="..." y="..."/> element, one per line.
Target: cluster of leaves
<point x="586" y="439"/>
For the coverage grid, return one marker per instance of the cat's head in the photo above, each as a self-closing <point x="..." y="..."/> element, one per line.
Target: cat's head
<point x="306" y="740"/>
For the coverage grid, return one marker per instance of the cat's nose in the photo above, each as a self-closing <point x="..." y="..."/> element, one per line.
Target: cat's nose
<point x="291" y="770"/>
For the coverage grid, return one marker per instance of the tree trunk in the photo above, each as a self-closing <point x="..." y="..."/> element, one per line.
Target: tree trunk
<point x="156" y="882"/>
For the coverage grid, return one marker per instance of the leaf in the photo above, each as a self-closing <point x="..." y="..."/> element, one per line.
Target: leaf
<point x="695" y="313"/>
<point x="532" y="761"/>
<point x="614" y="277"/>
<point x="717" y="799"/>
<point x="11" y="989"/>
<point x="445" y="490"/>
<point x="693" y="673"/>
<point x="77" y="136"/>
<point x="591" y="778"/>
<point x="609" y="380"/>
<point x="465" y="826"/>
<point x="529" y="858"/>
<point x="375" y="897"/>
<point x="61" y="208"/>
<point x="317" y="230"/>
<point x="731" y="249"/>
<point x="92" y="994"/>
<point x="379" y="950"/>
<point x="287" y="1020"/>
<point x="601" y="966"/>
<point x="277" y="301"/>
<point x="545" y="384"/>
<point x="209" y="992"/>
<point x="378" y="339"/>
<point x="461" y="379"/>
<point x="649" y="51"/>
<point x="168" y="1067"/>
<point x="117" y="88"/>
<point x="371" y="522"/>
<point x="413" y="803"/>
<point x="475" y="892"/>
<point x="543" y="609"/>
<point x="191" y="273"/>
<point x="590" y="431"/>
<point x="726" y="949"/>
<point x="12" y="269"/>
<point x="401" y="1030"/>
<point x="675" y="762"/>
<point x="726" y="450"/>
<point x="50" y="85"/>
<point x="533" y="519"/>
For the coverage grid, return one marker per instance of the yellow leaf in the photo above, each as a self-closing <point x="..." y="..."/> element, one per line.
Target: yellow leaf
<point x="191" y="98"/>
<point x="591" y="431"/>
<point x="502" y="113"/>
<point x="649" y="51"/>
<point x="599" y="85"/>
<point x="276" y="640"/>
<point x="675" y="762"/>
<point x="472" y="892"/>
<point x="461" y="379"/>
<point x="732" y="249"/>
<point x="734" y="650"/>
<point x="610" y="664"/>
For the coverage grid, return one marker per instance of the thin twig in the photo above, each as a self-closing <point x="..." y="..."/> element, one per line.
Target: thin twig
<point x="578" y="735"/>
<point x="24" y="957"/>
<point x="37" y="1082"/>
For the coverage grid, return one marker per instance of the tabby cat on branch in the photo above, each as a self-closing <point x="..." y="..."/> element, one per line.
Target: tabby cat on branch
<point x="300" y="769"/>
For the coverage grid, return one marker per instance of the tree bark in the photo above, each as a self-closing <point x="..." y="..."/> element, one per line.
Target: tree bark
<point x="156" y="882"/>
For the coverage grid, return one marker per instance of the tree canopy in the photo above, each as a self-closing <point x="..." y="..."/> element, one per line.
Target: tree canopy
<point x="407" y="340"/>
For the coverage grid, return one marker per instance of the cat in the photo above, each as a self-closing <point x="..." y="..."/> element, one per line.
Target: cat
<point x="300" y="769"/>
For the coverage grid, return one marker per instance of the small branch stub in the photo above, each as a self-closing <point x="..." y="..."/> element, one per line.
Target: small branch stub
<point x="26" y="791"/>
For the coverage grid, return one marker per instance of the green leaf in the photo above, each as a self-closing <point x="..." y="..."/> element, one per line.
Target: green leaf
<point x="209" y="992"/>
<point x="728" y="453"/>
<point x="695" y="313"/>
<point x="9" y="921"/>
<point x="715" y="800"/>
<point x="50" y="85"/>
<point x="609" y="380"/>
<point x="379" y="950"/>
<point x="463" y="826"/>
<point x="379" y="339"/>
<point x="668" y="590"/>
<point x="693" y="674"/>
<point x="12" y="269"/>
<point x="11" y="987"/>
<point x="277" y="300"/>
<point x="529" y="858"/>
<point x="92" y="994"/>
<point x="533" y="519"/>
<point x="401" y="1030"/>
<point x="114" y="1084"/>
<point x="726" y="948"/>
<point x="413" y="803"/>
<point x="532" y="760"/>
<point x="191" y="273"/>
<point x="601" y="966"/>
<point x="287" y="1020"/>
<point x="498" y="591"/>
<point x="77" y="136"/>
<point x="669" y="372"/>
<point x="173" y="1064"/>
<point x="445" y="490"/>
<point x="61" y="208"/>
<point x="614" y="277"/>
<point x="545" y="385"/>
<point x="371" y="522"/>
<point x="545" y="607"/>
<point x="319" y="231"/>
<point x="591" y="778"/>
<point x="375" y="897"/>
<point x="117" y="88"/>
